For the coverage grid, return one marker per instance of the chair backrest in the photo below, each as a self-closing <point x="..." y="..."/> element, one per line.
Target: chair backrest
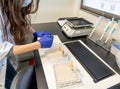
<point x="25" y="79"/>
<point x="10" y="74"/>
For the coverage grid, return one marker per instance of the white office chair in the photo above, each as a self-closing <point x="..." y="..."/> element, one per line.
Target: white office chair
<point x="25" y="79"/>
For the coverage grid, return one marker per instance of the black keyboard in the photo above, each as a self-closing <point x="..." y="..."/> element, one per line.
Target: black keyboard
<point x="117" y="86"/>
<point x="96" y="68"/>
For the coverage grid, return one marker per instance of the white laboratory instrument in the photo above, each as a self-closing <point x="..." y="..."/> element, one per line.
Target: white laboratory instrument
<point x="112" y="30"/>
<point x="66" y="74"/>
<point x="77" y="27"/>
<point x="96" y="25"/>
<point x="106" y="28"/>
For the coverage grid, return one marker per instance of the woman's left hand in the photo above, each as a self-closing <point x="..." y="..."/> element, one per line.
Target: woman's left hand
<point x="40" y="34"/>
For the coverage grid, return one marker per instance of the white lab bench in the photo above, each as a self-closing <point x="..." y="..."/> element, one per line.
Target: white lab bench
<point x="86" y="80"/>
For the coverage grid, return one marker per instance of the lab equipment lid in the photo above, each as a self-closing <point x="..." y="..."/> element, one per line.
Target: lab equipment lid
<point x="79" y="22"/>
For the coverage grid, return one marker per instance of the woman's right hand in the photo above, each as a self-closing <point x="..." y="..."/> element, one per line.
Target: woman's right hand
<point x="46" y="41"/>
<point x="40" y="34"/>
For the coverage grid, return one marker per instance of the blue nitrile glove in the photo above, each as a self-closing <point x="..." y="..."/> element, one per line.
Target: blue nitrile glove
<point x="46" y="41"/>
<point x="39" y="34"/>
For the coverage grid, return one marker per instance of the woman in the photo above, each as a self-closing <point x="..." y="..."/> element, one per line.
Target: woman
<point x="14" y="27"/>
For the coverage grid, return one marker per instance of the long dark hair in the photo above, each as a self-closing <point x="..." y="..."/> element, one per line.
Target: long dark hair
<point x="18" y="17"/>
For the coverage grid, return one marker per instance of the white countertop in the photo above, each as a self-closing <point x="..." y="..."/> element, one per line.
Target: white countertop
<point x="87" y="81"/>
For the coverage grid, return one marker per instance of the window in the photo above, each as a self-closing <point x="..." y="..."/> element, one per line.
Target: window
<point x="110" y="8"/>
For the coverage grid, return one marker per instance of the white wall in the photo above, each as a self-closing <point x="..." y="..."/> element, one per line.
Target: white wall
<point x="76" y="7"/>
<point x="51" y="10"/>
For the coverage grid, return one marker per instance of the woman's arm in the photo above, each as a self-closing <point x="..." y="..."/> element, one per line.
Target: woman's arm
<point x="44" y="42"/>
<point x="19" y="49"/>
